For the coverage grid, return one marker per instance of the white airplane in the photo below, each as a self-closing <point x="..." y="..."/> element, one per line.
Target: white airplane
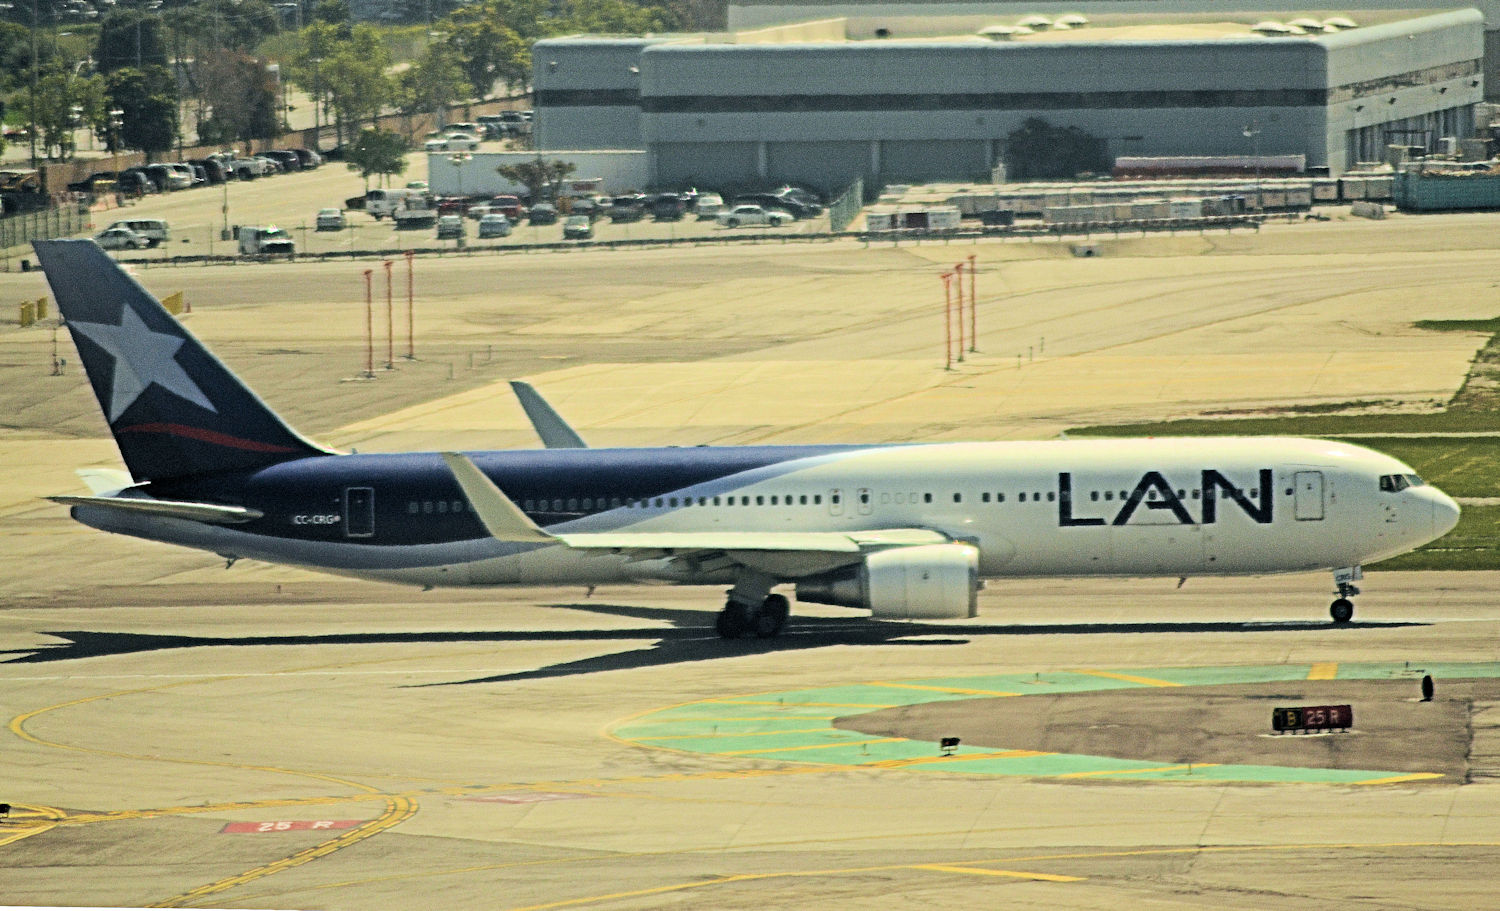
<point x="902" y="531"/>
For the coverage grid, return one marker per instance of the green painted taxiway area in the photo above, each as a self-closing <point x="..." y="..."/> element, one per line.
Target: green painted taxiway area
<point x="797" y="725"/>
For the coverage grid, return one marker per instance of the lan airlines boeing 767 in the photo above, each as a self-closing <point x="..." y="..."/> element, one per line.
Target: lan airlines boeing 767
<point x="902" y="531"/>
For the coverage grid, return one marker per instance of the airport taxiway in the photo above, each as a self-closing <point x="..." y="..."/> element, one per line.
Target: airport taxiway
<point x="183" y="735"/>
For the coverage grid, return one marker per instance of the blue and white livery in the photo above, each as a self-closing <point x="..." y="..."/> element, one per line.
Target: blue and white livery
<point x="903" y="531"/>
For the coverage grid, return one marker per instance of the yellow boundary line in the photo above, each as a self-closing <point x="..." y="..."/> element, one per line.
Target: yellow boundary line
<point x="1128" y="678"/>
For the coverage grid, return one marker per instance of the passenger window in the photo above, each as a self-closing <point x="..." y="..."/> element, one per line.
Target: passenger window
<point x="458" y="505"/>
<point x="958" y="498"/>
<point x="1051" y="496"/>
<point x="984" y="497"/>
<point x="614" y="502"/>
<point x="773" y="499"/>
<point x="926" y="498"/>
<point x="817" y="499"/>
<point x="760" y="501"/>
<point x="1022" y="498"/>
<point x="572" y="505"/>
<point x="658" y="502"/>
<point x="1094" y="495"/>
<point x="802" y="500"/>
<point x="999" y="498"/>
<point x="412" y="507"/>
<point x="864" y="496"/>
<point x="426" y="507"/>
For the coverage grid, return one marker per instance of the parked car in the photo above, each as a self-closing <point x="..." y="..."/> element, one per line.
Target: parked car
<point x="450" y="227"/>
<point x="770" y="201"/>
<point x="309" y="158"/>
<point x="709" y="206"/>
<point x="453" y="142"/>
<point x="118" y="238"/>
<point x="668" y="207"/>
<point x="543" y="213"/>
<point x="288" y="159"/>
<point x="627" y="208"/>
<point x="212" y="167"/>
<point x="578" y="227"/>
<point x="747" y="215"/>
<point x="494" y="225"/>
<point x="331" y="220"/>
<point x="154" y="230"/>
<point x="585" y="205"/>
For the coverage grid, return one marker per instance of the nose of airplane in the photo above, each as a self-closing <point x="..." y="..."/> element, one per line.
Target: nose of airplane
<point x="1444" y="514"/>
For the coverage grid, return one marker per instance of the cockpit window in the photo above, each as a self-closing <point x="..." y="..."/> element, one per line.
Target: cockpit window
<point x="1414" y="480"/>
<point x="1394" y="483"/>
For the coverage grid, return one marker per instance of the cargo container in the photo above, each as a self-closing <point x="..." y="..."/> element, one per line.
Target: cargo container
<point x="1416" y="191"/>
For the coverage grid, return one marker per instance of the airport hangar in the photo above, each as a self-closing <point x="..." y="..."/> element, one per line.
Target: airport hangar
<point x="811" y="103"/>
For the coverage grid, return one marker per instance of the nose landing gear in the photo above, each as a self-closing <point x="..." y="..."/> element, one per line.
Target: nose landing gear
<point x="1342" y="609"/>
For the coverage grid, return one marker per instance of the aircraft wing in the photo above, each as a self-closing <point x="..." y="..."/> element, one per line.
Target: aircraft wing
<point x="171" y="509"/>
<point x="784" y="552"/>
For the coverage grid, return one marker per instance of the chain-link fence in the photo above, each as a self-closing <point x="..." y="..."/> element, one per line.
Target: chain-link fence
<point x="846" y="208"/>
<point x="19" y="230"/>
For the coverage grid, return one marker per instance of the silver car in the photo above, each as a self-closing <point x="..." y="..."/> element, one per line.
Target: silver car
<point x="120" y="239"/>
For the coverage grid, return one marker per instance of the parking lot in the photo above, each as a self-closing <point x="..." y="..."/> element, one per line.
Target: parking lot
<point x="200" y="217"/>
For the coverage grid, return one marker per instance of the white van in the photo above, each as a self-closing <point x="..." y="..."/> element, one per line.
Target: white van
<point x="381" y="203"/>
<point x="153" y="229"/>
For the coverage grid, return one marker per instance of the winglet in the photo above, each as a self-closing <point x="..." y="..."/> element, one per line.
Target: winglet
<point x="500" y="517"/>
<point x="554" y="431"/>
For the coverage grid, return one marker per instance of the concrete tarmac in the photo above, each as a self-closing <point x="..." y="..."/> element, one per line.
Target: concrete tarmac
<point x="182" y="735"/>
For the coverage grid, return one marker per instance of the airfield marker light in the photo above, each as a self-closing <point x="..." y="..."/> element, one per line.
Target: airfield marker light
<point x="411" y="351"/>
<point x="390" y="325"/>
<point x="369" y="329"/>
<point x="973" y="310"/>
<point x="947" y="321"/>
<point x="1427" y="688"/>
<point x="958" y="274"/>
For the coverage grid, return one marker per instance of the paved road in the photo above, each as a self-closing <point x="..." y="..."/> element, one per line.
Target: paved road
<point x="161" y="710"/>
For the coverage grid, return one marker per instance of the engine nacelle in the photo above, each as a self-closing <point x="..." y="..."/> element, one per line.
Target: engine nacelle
<point x="931" y="582"/>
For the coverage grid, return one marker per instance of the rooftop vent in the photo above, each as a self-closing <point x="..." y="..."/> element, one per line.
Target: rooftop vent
<point x="1334" y="23"/>
<point x="1270" y="27"/>
<point x="1071" y="20"/>
<point x="1306" y="24"/>
<point x="1036" y="22"/>
<point x="1003" y="32"/>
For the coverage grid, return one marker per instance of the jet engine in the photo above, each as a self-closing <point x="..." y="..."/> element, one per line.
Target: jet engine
<point x="931" y="582"/>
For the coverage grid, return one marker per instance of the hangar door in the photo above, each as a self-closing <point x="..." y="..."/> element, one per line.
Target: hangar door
<point x="829" y="166"/>
<point x="704" y="163"/>
<point x="929" y="160"/>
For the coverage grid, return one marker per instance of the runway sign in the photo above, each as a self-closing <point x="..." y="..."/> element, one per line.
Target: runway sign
<point x="1312" y="718"/>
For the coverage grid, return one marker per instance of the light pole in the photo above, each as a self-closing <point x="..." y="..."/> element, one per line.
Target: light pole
<point x="317" y="105"/>
<point x="116" y="120"/>
<point x="458" y="160"/>
<point x="1252" y="133"/>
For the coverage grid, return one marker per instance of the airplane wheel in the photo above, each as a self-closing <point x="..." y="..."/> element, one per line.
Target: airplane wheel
<point x="733" y="622"/>
<point x="1342" y="610"/>
<point x="772" y="619"/>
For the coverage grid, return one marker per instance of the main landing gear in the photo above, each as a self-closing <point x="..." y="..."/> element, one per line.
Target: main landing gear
<point x="765" y="620"/>
<point x="1342" y="609"/>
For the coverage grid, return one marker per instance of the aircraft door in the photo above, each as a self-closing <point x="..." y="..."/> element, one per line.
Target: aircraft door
<point x="835" y="502"/>
<point x="866" y="501"/>
<point x="359" y="512"/>
<point x="1308" y="487"/>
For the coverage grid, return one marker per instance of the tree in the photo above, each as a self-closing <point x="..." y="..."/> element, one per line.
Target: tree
<point x="242" y="96"/>
<point x="335" y="13"/>
<point x="542" y="179"/>
<point x="1039" y="150"/>
<point x="488" y="51"/>
<point x="615" y="17"/>
<point x="377" y="152"/>
<point x="354" y="77"/>
<point x="239" y="25"/>
<point x="129" y="37"/>
<point x="431" y="83"/>
<point x="63" y="103"/>
<point x="146" y="96"/>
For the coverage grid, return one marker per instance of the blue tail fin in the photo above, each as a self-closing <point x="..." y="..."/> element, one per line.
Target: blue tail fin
<point x="174" y="409"/>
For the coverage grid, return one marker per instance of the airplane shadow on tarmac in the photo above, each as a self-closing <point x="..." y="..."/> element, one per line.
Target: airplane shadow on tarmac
<point x="684" y="637"/>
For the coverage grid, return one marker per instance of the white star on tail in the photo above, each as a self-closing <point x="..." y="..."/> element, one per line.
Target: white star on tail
<point x="142" y="357"/>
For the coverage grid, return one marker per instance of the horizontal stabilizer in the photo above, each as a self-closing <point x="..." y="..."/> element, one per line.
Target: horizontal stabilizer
<point x="170" y="509"/>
